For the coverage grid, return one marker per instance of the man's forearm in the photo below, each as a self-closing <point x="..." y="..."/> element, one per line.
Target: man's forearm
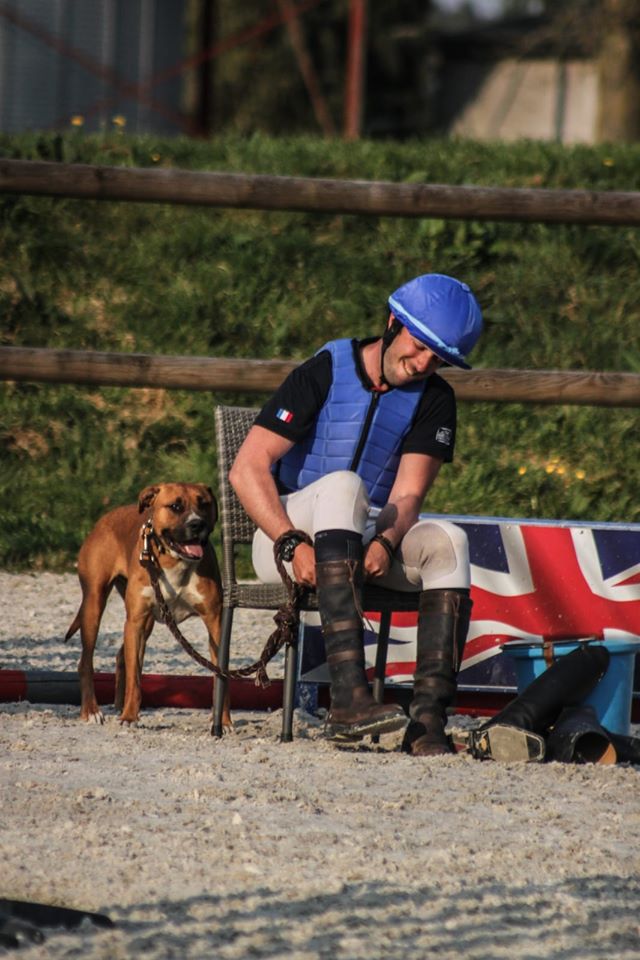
<point x="396" y="518"/>
<point x="258" y="495"/>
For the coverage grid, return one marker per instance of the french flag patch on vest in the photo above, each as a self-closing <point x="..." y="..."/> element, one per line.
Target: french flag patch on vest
<point x="285" y="415"/>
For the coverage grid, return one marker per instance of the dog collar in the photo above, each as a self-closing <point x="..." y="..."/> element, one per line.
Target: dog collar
<point x="148" y="534"/>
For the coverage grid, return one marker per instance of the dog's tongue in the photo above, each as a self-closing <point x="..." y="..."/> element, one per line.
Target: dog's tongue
<point x="192" y="549"/>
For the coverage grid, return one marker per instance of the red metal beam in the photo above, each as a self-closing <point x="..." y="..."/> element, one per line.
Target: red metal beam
<point x="306" y="67"/>
<point x="264" y="26"/>
<point x="141" y="91"/>
<point x="354" y="86"/>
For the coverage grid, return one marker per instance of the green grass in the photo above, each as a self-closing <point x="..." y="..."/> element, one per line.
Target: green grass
<point x="194" y="281"/>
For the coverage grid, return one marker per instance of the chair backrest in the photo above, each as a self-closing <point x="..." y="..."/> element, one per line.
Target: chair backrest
<point x="232" y="424"/>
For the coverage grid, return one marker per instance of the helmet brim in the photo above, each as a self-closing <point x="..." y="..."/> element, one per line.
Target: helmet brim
<point x="435" y="345"/>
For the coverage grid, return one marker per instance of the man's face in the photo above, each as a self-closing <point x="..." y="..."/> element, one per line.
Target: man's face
<point x="407" y="359"/>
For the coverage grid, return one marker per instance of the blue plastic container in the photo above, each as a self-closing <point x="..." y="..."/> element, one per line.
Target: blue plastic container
<point x="610" y="698"/>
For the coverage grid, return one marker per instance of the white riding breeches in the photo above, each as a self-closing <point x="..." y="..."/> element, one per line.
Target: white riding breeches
<point x="433" y="554"/>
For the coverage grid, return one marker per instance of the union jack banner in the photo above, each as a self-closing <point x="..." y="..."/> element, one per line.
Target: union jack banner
<point x="530" y="580"/>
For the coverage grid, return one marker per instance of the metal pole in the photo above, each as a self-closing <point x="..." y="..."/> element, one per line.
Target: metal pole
<point x="206" y="39"/>
<point x="306" y="67"/>
<point x="355" y="69"/>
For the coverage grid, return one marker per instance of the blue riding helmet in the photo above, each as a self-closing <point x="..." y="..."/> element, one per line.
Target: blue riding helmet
<point x="440" y="312"/>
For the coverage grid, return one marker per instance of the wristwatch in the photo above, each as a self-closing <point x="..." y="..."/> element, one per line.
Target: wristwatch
<point x="288" y="545"/>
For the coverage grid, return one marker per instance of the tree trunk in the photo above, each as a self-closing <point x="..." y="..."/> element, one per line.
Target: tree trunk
<point x="619" y="72"/>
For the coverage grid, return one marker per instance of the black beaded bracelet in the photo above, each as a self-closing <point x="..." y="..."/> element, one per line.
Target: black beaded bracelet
<point x="285" y="546"/>
<point x="386" y="543"/>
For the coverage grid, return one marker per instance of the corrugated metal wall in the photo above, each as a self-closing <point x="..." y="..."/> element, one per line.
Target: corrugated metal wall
<point x="58" y="58"/>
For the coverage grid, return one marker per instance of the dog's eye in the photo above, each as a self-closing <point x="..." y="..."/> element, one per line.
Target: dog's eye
<point x="176" y="507"/>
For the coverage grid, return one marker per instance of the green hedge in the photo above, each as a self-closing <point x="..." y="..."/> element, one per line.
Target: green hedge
<point x="184" y="280"/>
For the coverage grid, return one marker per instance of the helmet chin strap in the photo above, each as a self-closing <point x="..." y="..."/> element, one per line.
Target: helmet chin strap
<point x="388" y="337"/>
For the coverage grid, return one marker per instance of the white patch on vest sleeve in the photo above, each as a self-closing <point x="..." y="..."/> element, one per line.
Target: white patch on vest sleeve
<point x="444" y="435"/>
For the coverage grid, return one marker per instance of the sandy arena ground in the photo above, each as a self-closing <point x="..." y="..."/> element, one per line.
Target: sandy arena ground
<point x="247" y="847"/>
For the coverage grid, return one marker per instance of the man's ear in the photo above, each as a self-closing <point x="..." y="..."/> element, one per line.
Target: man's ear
<point x="392" y="329"/>
<point x="146" y="497"/>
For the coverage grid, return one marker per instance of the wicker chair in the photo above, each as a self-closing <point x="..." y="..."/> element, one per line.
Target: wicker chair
<point x="231" y="427"/>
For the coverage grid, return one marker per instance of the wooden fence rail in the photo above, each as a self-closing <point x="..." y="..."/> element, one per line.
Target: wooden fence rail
<point x="374" y="198"/>
<point x="263" y="376"/>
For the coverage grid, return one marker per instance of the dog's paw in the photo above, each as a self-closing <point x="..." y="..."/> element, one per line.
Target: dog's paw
<point x="227" y="724"/>
<point x="127" y="720"/>
<point x="92" y="716"/>
<point x="227" y="728"/>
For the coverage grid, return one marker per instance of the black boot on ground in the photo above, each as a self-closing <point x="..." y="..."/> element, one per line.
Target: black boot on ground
<point x="442" y="631"/>
<point x="354" y="713"/>
<point x="577" y="737"/>
<point x="506" y="743"/>
<point x="627" y="748"/>
<point x="518" y="732"/>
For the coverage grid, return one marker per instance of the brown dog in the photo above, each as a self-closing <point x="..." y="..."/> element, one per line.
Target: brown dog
<point x="182" y="516"/>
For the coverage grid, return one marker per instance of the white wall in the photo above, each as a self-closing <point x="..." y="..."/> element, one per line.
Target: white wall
<point x="538" y="99"/>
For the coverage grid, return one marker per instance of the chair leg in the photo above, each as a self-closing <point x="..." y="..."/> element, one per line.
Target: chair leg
<point x="289" y="691"/>
<point x="380" y="668"/>
<point x="381" y="656"/>
<point x="220" y="685"/>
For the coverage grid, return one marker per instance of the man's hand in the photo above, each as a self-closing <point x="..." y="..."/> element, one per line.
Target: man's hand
<point x="304" y="565"/>
<point x="376" y="560"/>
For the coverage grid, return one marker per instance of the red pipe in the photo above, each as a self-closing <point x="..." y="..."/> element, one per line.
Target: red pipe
<point x="157" y="690"/>
<point x="13" y="685"/>
<point x="162" y="690"/>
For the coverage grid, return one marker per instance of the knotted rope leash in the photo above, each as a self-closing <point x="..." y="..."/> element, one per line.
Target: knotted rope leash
<point x="287" y="617"/>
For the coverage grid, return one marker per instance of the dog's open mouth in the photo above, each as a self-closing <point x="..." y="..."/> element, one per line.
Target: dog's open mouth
<point x="187" y="549"/>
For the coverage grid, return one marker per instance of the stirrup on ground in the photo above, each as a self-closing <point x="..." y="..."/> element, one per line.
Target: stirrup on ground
<point x="506" y="744"/>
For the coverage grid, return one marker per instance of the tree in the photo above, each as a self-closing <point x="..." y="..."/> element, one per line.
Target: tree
<point x="619" y="71"/>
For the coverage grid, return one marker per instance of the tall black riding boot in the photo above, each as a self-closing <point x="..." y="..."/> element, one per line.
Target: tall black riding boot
<point x="627" y="748"/>
<point x="354" y="712"/>
<point x="442" y="631"/>
<point x="577" y="737"/>
<point x="518" y="731"/>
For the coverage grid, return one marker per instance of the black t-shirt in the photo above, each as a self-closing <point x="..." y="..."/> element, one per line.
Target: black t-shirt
<point x="294" y="407"/>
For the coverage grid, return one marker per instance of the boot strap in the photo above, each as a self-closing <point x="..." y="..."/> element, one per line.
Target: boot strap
<point x="548" y="653"/>
<point x="332" y="573"/>
<point x="338" y="626"/>
<point x="444" y="601"/>
<point x="344" y="656"/>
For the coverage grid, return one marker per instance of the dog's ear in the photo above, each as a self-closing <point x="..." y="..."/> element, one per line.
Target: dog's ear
<point x="146" y="498"/>
<point x="214" y="503"/>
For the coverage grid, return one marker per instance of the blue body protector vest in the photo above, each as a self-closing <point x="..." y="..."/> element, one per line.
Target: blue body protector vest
<point x="355" y="430"/>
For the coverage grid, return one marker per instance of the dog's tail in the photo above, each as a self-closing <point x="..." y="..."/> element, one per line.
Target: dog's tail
<point x="73" y="628"/>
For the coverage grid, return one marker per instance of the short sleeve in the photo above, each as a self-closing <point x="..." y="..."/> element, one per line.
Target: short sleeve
<point x="293" y="408"/>
<point x="433" y="430"/>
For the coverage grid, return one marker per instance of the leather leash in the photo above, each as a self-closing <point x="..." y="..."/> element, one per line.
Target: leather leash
<point x="287" y="617"/>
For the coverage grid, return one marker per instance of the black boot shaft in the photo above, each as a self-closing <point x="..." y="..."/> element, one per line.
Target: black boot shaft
<point x="443" y="624"/>
<point x="577" y="737"/>
<point x="354" y="712"/>
<point x="565" y="684"/>
<point x="339" y="591"/>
